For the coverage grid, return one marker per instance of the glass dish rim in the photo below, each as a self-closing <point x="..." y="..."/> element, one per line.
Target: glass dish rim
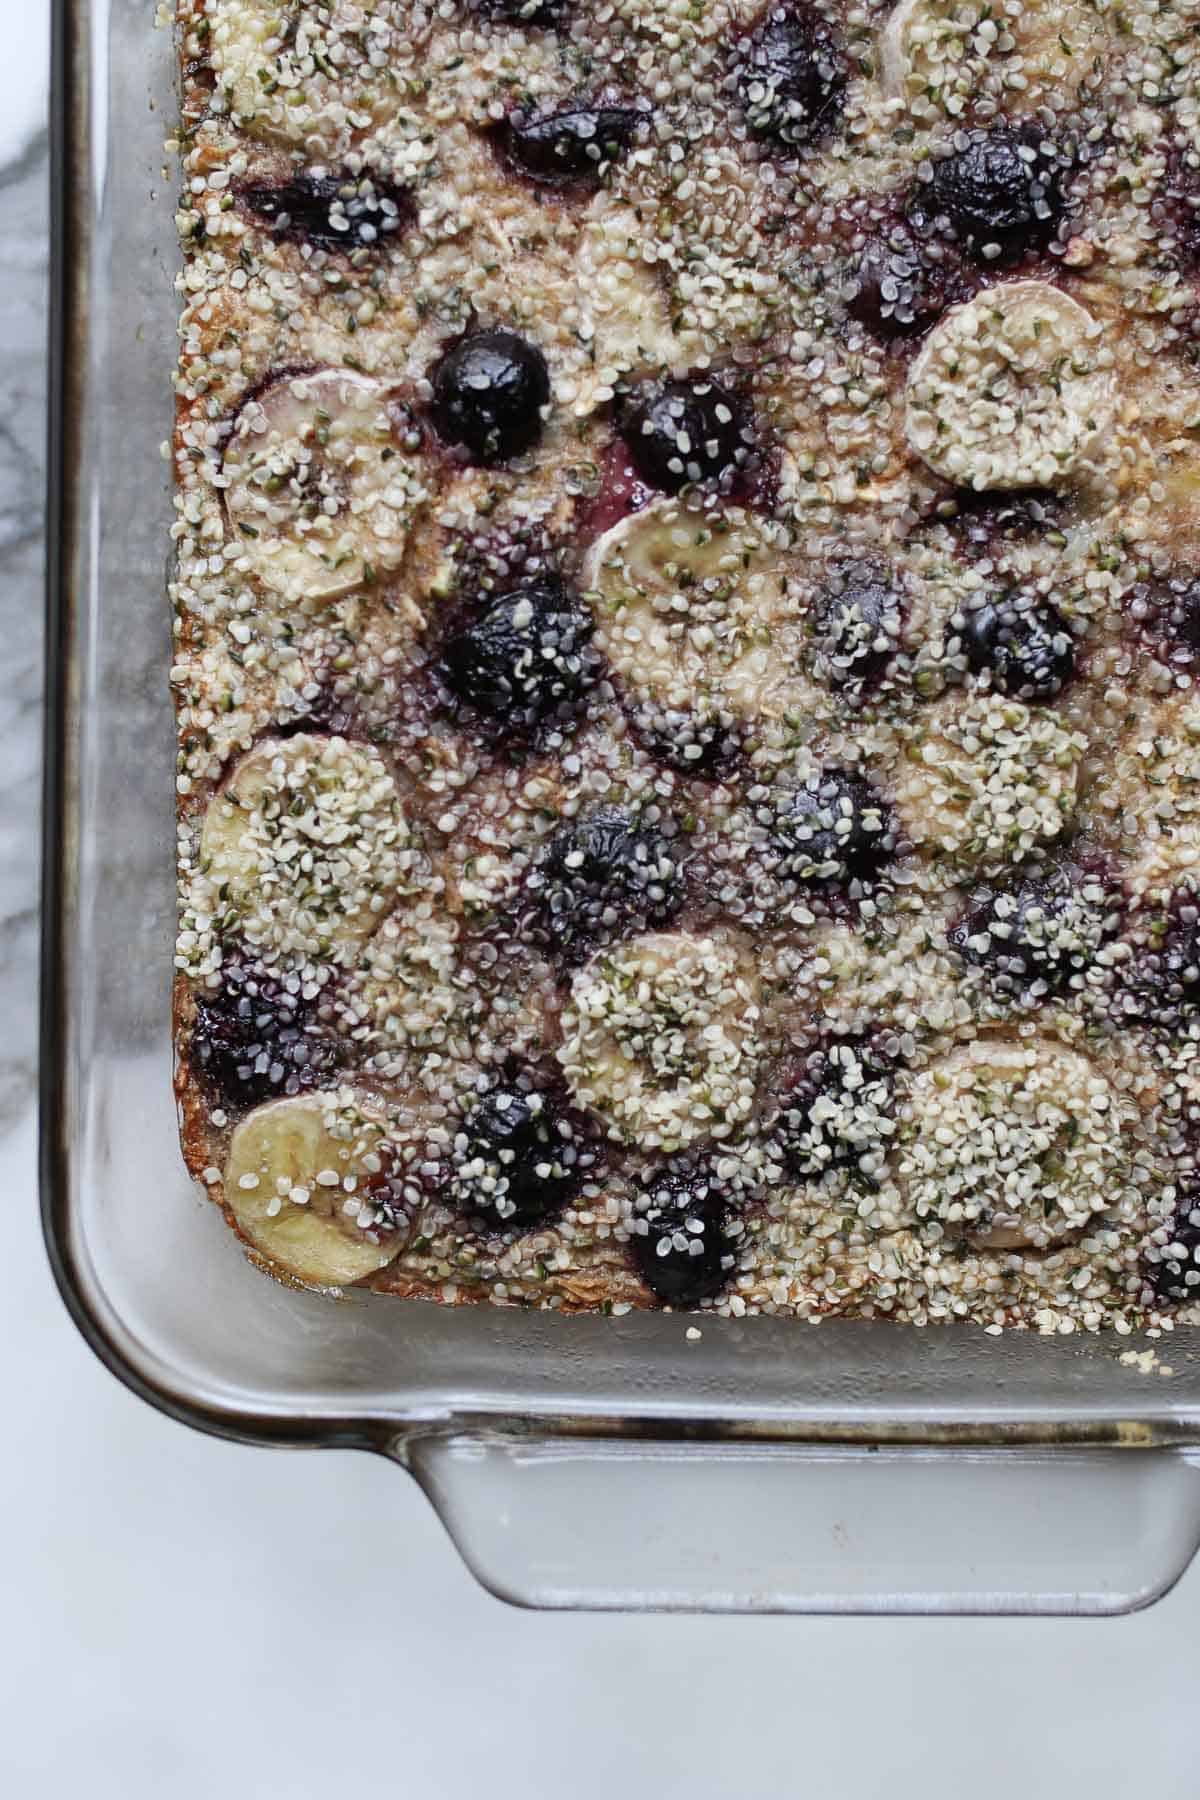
<point x="76" y="43"/>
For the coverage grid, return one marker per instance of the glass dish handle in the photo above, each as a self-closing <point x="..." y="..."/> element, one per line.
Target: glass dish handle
<point x="548" y="1521"/>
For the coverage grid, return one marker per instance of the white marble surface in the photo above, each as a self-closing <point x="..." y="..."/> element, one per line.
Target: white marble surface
<point x="188" y="1619"/>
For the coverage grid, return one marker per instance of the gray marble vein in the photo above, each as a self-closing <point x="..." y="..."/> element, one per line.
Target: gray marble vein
<point x="23" y="324"/>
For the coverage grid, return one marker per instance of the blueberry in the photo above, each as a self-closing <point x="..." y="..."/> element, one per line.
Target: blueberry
<point x="1023" y="642"/>
<point x="834" y="829"/>
<point x="525" y="655"/>
<point x="1181" y="606"/>
<point x="574" y="145"/>
<point x="256" y="1036"/>
<point x="1000" y="196"/>
<point x="1039" y="936"/>
<point x="837" y="1110"/>
<point x="1176" y="210"/>
<point x="1159" y="983"/>
<point x="898" y="287"/>
<point x="986" y="517"/>
<point x="397" y="1186"/>
<point x="703" y="746"/>
<point x="857" y="615"/>
<point x="679" y="1238"/>
<point x="1171" y="606"/>
<point x="1171" y="1259"/>
<point x="598" y="877"/>
<point x="521" y="12"/>
<point x="335" y="212"/>
<point x="791" y="76"/>
<point x="517" y="1159"/>
<point x="681" y="431"/>
<point x="488" y="395"/>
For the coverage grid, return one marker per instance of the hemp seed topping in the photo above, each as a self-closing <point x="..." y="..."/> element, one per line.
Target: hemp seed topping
<point x="686" y="594"/>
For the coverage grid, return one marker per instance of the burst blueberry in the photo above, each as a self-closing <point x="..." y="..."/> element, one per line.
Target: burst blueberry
<point x="791" y="77"/>
<point x="836" y="1110"/>
<point x="1000" y="196"/>
<point x="1022" y="641"/>
<point x="1158" y="984"/>
<point x="522" y="12"/>
<point x="702" y="745"/>
<point x="524" y="655"/>
<point x="857" y="616"/>
<point x="258" y="1035"/>
<point x="984" y="519"/>
<point x="1040" y="936"/>
<point x="1170" y="607"/>
<point x="897" y="287"/>
<point x="334" y="212"/>
<point x="517" y="1159"/>
<point x="680" y="1239"/>
<point x="1171" y="1258"/>
<point x="574" y="145"/>
<point x="833" y="830"/>
<point x="599" y="877"/>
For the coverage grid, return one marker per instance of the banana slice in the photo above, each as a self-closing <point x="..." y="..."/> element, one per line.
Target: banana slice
<point x="1013" y="1144"/>
<point x="307" y="73"/>
<point x="322" y="483"/>
<point x="1011" y="390"/>
<point x="307" y="844"/>
<point x="697" y="611"/>
<point x="626" y="314"/>
<point x="986" y="780"/>
<point x="661" y="1037"/>
<point x="409" y="996"/>
<point x="940" y="54"/>
<point x="249" y="45"/>
<point x="1153" y="791"/>
<point x="314" y="1184"/>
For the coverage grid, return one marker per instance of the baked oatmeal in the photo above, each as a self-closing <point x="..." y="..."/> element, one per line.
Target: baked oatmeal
<point x="687" y="607"/>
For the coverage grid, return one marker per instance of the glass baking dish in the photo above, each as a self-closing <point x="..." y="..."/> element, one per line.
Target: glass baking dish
<point x="764" y="1465"/>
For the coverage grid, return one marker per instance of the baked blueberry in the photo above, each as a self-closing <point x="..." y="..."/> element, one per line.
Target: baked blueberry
<point x="705" y="746"/>
<point x="518" y="1158"/>
<point x="1175" y="210"/>
<point x="791" y="76"/>
<point x="683" y="431"/>
<point x="1159" y="983"/>
<point x="833" y="830"/>
<point x="897" y="287"/>
<point x="488" y="395"/>
<point x="1181" y="608"/>
<point x="1170" y="608"/>
<point x="999" y="196"/>
<point x="524" y="655"/>
<point x="983" y="518"/>
<point x="837" y="1109"/>
<point x="1171" y="1258"/>
<point x="857" y="616"/>
<point x="601" y="876"/>
<point x="257" y="1035"/>
<point x="521" y="12"/>
<point x="395" y="1188"/>
<point x="679" y="1237"/>
<point x="574" y="145"/>
<point x="335" y="212"/>
<point x="1020" y="640"/>
<point x="1037" y="938"/>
